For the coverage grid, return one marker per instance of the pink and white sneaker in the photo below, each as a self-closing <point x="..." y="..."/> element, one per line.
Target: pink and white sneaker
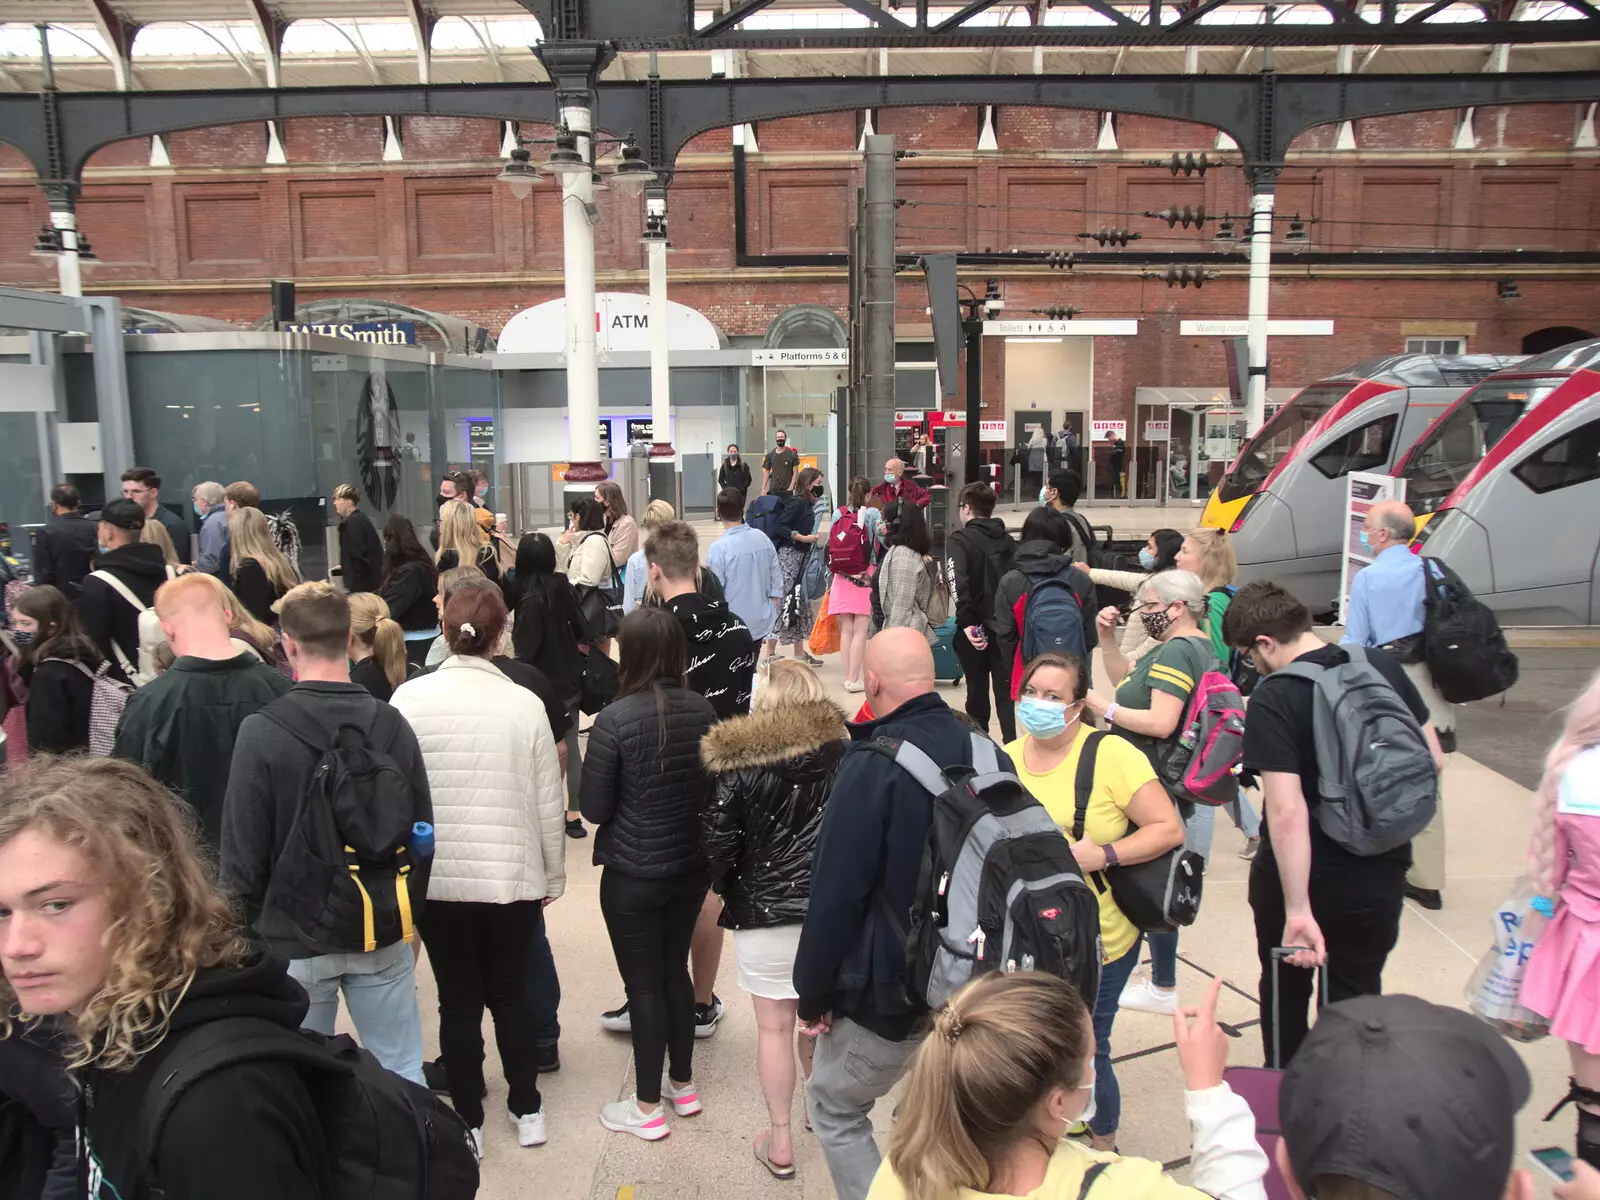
<point x="623" y="1116"/>
<point x="685" y="1101"/>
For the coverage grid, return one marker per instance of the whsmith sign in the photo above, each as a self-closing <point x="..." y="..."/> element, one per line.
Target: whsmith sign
<point x="381" y="333"/>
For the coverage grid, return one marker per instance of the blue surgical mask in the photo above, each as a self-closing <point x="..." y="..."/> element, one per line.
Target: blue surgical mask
<point x="198" y="511"/>
<point x="1044" y="497"/>
<point x="890" y="477"/>
<point x="1042" y="718"/>
<point x="1366" y="542"/>
<point x="1147" y="560"/>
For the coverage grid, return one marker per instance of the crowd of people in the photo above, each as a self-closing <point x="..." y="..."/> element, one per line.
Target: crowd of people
<point x="241" y="797"/>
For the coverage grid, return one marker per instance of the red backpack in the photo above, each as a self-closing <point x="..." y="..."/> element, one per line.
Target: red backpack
<point x="847" y="544"/>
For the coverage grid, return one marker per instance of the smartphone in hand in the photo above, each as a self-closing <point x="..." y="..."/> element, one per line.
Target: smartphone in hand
<point x="1554" y="1162"/>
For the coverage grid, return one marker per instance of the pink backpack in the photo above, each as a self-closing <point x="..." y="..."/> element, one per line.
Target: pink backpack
<point x="1201" y="763"/>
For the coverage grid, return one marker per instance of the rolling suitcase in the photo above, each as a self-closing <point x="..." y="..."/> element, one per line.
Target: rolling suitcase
<point x="1259" y="1085"/>
<point x="946" y="666"/>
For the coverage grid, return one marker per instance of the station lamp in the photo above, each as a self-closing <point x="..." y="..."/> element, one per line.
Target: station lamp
<point x="631" y="175"/>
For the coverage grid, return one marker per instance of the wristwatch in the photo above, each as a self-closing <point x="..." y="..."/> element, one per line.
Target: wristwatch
<point x="1111" y="855"/>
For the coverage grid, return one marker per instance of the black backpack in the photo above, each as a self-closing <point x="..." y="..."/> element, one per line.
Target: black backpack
<point x="1466" y="653"/>
<point x="766" y="514"/>
<point x="342" y="879"/>
<point x="999" y="889"/>
<point x="1090" y="542"/>
<point x="387" y="1138"/>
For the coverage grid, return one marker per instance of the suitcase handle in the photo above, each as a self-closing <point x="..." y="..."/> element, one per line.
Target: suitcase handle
<point x="1278" y="954"/>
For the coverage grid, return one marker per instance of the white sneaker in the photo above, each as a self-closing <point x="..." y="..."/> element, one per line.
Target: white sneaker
<point x="685" y="1100"/>
<point x="854" y="685"/>
<point x="475" y="1140"/>
<point x="531" y="1130"/>
<point x="623" y="1116"/>
<point x="1148" y="998"/>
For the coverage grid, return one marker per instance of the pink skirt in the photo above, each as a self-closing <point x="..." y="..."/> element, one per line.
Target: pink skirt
<point x="1563" y="979"/>
<point x="848" y="598"/>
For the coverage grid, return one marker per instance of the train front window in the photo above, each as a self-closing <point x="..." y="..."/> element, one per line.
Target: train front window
<point x="1564" y="462"/>
<point x="1276" y="438"/>
<point x="1451" y="449"/>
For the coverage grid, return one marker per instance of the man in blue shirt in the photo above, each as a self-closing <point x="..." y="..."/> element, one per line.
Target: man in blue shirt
<point x="1386" y="609"/>
<point x="210" y="506"/>
<point x="746" y="562"/>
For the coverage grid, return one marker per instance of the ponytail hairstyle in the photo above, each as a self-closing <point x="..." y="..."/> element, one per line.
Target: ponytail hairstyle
<point x="372" y="626"/>
<point x="1546" y="847"/>
<point x="998" y="1048"/>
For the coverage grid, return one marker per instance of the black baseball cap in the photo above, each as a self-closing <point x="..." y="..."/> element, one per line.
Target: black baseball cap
<point x="124" y="514"/>
<point x="1407" y="1096"/>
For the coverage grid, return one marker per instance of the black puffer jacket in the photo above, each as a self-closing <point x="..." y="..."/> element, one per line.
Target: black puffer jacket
<point x="647" y="790"/>
<point x="774" y="770"/>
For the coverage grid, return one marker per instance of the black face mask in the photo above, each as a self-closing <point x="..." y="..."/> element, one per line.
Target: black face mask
<point x="780" y="441"/>
<point x="441" y="501"/>
<point x="817" y="491"/>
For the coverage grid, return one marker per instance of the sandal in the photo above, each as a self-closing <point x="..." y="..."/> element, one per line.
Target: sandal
<point x="778" y="1170"/>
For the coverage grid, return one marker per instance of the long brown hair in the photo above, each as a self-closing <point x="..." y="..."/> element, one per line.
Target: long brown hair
<point x="171" y="918"/>
<point x="653" y="654"/>
<point x="60" y="635"/>
<point x="998" y="1047"/>
<point x="859" y="487"/>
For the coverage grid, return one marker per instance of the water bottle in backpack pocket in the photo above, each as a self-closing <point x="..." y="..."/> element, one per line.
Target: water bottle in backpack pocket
<point x="1200" y="762"/>
<point x="1377" y="780"/>
<point x="999" y="889"/>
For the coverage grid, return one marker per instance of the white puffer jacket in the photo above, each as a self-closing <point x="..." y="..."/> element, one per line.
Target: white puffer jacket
<point x="498" y="802"/>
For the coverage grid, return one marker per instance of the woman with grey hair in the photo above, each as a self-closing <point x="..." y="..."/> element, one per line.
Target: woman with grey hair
<point x="1148" y="710"/>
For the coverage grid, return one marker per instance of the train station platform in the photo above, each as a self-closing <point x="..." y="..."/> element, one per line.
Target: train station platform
<point x="709" y="1156"/>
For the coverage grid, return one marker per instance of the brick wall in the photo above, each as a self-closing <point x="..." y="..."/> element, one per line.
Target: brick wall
<point x="437" y="232"/>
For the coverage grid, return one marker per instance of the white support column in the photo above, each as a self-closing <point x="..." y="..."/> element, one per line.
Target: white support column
<point x="583" y="366"/>
<point x="660" y="378"/>
<point x="69" y="272"/>
<point x="1260" y="285"/>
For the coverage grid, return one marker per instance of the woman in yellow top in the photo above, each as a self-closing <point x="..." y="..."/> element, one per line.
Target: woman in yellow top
<point x="1006" y="1071"/>
<point x="1130" y="820"/>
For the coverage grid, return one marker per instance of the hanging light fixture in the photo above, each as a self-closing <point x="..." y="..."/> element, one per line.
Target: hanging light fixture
<point x="633" y="174"/>
<point x="519" y="173"/>
<point x="1297" y="230"/>
<point x="48" y="243"/>
<point x="565" y="158"/>
<point x="86" y="254"/>
<point x="655" y="229"/>
<point x="1225" y="234"/>
<point x="597" y="181"/>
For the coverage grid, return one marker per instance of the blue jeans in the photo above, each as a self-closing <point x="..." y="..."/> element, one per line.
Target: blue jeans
<point x="1107" y="1095"/>
<point x="380" y="990"/>
<point x="1245" y="816"/>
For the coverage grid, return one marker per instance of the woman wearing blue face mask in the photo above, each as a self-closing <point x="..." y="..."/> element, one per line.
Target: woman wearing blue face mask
<point x="1159" y="553"/>
<point x="1129" y="820"/>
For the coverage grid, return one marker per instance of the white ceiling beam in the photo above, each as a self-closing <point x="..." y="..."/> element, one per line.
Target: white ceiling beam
<point x="422" y="23"/>
<point x="267" y="29"/>
<point x="118" y="38"/>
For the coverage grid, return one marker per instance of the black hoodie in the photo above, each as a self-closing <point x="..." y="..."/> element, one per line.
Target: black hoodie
<point x="246" y="1132"/>
<point x="1040" y="558"/>
<point x="106" y="616"/>
<point x="979" y="553"/>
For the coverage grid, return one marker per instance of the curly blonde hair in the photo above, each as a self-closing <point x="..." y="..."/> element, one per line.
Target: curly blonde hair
<point x="171" y="918"/>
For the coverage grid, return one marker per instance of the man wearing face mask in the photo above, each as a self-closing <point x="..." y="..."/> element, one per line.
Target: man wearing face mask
<point x="979" y="554"/>
<point x="1386" y="609"/>
<point x="734" y="473"/>
<point x="781" y="461"/>
<point x="455" y="486"/>
<point x="897" y="485"/>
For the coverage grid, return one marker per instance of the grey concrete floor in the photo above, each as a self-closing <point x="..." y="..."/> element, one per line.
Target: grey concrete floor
<point x="710" y="1155"/>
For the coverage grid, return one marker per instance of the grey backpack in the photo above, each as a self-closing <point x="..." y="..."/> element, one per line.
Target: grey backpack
<point x="1378" y="782"/>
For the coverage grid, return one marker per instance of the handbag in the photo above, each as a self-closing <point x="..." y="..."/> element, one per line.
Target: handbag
<point x="1493" y="992"/>
<point x="599" y="683"/>
<point x="814" y="580"/>
<point x="600" y="605"/>
<point x="1157" y="896"/>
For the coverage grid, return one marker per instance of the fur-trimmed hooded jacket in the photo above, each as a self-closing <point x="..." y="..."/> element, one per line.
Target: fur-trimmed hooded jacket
<point x="774" y="770"/>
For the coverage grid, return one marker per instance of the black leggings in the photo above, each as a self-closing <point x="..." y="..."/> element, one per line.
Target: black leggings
<point x="986" y="668"/>
<point x="480" y="955"/>
<point x="651" y="923"/>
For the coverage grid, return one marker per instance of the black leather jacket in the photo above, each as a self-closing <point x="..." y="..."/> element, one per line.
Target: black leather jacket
<point x="774" y="771"/>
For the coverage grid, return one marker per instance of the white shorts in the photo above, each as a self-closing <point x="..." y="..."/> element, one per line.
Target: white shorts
<point x="766" y="960"/>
